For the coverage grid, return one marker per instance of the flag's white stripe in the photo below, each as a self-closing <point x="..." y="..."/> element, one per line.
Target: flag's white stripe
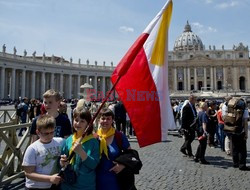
<point x="160" y="76"/>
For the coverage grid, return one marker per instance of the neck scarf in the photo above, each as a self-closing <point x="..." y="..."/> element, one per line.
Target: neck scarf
<point x="75" y="139"/>
<point x="103" y="142"/>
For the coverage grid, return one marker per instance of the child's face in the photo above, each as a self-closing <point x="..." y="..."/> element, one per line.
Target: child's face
<point x="80" y="124"/>
<point x="106" y="122"/>
<point x="51" y="105"/>
<point x="46" y="135"/>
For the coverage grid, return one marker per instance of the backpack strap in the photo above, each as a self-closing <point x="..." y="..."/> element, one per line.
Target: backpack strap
<point x="118" y="138"/>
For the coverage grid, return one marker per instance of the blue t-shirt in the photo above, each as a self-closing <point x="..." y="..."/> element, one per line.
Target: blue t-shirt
<point x="63" y="126"/>
<point x="106" y="180"/>
<point x="203" y="118"/>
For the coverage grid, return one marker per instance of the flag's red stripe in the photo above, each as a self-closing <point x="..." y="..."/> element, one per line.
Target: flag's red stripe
<point x="127" y="60"/>
<point x="144" y="113"/>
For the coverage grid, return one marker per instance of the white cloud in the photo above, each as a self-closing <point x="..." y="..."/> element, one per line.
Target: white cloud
<point x="226" y="5"/>
<point x="126" y="29"/>
<point x="212" y="29"/>
<point x="201" y="29"/>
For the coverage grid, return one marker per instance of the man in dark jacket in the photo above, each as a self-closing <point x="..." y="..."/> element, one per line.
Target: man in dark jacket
<point x="120" y="117"/>
<point x="189" y="116"/>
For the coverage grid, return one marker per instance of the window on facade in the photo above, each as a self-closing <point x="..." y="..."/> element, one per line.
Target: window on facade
<point x="219" y="73"/>
<point x="208" y="77"/>
<point x="207" y="55"/>
<point x="191" y="56"/>
<point x="228" y="56"/>
<point x="242" y="70"/>
<point x="240" y="55"/>
<point x="192" y="77"/>
<point x="200" y="72"/>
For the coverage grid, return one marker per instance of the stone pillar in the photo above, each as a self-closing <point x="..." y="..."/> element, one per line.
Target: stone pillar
<point x="195" y="79"/>
<point x="13" y="84"/>
<point x="70" y="87"/>
<point x="185" y="79"/>
<point x="205" y="77"/>
<point x="215" y="79"/>
<point x="87" y="79"/>
<point x="95" y="84"/>
<point x="42" y="83"/>
<point x="225" y="83"/>
<point x="61" y="84"/>
<point x="23" y="83"/>
<point x="52" y="81"/>
<point x="211" y="78"/>
<point x="175" y="79"/>
<point x="2" y="83"/>
<point x="103" y="86"/>
<point x="188" y="79"/>
<point x="33" y="84"/>
<point x="235" y="79"/>
<point x="78" y="86"/>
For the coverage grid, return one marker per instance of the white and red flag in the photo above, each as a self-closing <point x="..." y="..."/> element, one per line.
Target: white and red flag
<point x="141" y="81"/>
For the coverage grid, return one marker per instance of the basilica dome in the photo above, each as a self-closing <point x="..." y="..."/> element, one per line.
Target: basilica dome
<point x="188" y="40"/>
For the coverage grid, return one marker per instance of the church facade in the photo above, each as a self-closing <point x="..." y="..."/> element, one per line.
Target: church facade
<point x="192" y="68"/>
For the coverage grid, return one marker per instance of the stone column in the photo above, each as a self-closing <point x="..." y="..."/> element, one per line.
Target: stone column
<point x="52" y="80"/>
<point x="61" y="84"/>
<point x="211" y="78"/>
<point x="235" y="79"/>
<point x="188" y="79"/>
<point x="42" y="83"/>
<point x="2" y="83"/>
<point x="175" y="79"/>
<point x="205" y="77"/>
<point x="23" y="83"/>
<point x="103" y="86"/>
<point x="215" y="79"/>
<point x="70" y="87"/>
<point x="95" y="84"/>
<point x="185" y="79"/>
<point x="78" y="86"/>
<point x="33" y="84"/>
<point x="225" y="83"/>
<point x="195" y="79"/>
<point x="87" y="79"/>
<point x="13" y="84"/>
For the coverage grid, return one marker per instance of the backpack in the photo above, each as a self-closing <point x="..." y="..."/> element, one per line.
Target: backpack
<point x="233" y="118"/>
<point x="19" y="110"/>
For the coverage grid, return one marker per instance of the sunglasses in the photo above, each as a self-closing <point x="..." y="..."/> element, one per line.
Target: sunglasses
<point x="47" y="133"/>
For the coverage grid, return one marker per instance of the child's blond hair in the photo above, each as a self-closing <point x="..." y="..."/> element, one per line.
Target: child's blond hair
<point x="52" y="93"/>
<point x="45" y="122"/>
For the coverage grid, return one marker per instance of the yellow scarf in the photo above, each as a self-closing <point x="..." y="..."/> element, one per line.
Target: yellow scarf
<point x="103" y="142"/>
<point x="75" y="139"/>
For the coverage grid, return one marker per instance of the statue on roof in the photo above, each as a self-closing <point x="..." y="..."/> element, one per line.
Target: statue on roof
<point x="4" y="48"/>
<point x="14" y="50"/>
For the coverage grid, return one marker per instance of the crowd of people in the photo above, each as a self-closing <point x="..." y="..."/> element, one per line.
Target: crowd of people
<point x="77" y="155"/>
<point x="67" y="152"/>
<point x="216" y="124"/>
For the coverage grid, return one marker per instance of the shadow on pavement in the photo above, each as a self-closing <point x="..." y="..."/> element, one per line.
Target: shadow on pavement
<point x="220" y="162"/>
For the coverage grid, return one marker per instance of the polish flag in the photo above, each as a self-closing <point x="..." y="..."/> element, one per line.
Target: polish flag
<point x="141" y="81"/>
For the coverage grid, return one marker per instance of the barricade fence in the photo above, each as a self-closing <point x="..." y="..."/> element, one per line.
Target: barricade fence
<point x="12" y="147"/>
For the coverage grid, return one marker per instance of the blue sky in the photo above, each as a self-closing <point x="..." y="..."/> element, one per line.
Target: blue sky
<point x="103" y="30"/>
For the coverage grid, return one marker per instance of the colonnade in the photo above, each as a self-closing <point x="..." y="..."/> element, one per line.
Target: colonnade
<point x="17" y="83"/>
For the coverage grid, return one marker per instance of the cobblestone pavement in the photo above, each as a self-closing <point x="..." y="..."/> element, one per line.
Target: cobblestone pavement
<point x="164" y="168"/>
